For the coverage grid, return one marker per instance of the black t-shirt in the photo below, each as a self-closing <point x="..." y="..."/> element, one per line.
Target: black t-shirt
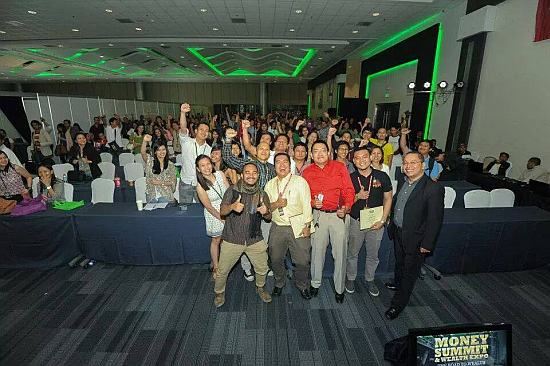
<point x="380" y="183"/>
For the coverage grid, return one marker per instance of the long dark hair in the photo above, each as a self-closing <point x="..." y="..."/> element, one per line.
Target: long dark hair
<point x="54" y="179"/>
<point x="203" y="182"/>
<point x="156" y="161"/>
<point x="9" y="165"/>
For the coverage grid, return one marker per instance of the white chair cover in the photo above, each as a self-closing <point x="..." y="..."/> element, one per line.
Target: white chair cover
<point x="35" y="181"/>
<point x="450" y="196"/>
<point x="61" y="169"/>
<point x="477" y="198"/>
<point x="133" y="171"/>
<point x="103" y="190"/>
<point x="125" y="158"/>
<point x="69" y="191"/>
<point x="107" y="170"/>
<point x="106" y="157"/>
<point x="140" y="186"/>
<point x="139" y="159"/>
<point x="502" y="197"/>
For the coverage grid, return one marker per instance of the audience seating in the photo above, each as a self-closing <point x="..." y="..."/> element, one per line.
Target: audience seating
<point x="125" y="158"/>
<point x="61" y="169"/>
<point x="68" y="189"/>
<point x="502" y="197"/>
<point x="488" y="160"/>
<point x="139" y="159"/>
<point x="450" y="196"/>
<point x="140" y="186"/>
<point x="103" y="190"/>
<point x="133" y="171"/>
<point x="477" y="198"/>
<point x="106" y="157"/>
<point x="35" y="181"/>
<point x="107" y="170"/>
<point x="125" y="143"/>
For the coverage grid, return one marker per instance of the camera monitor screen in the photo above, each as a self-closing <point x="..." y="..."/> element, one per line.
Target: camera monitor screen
<point x="462" y="345"/>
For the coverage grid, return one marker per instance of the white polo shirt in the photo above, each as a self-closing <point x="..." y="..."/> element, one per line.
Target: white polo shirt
<point x="190" y="149"/>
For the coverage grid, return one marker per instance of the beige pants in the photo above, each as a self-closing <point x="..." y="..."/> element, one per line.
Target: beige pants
<point x="230" y="254"/>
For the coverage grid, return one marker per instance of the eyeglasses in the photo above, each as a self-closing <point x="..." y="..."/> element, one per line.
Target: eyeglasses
<point x="412" y="163"/>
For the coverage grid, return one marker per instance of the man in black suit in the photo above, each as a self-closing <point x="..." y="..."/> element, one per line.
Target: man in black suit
<point x="416" y="219"/>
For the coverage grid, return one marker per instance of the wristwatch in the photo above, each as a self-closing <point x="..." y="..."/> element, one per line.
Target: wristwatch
<point x="49" y="187"/>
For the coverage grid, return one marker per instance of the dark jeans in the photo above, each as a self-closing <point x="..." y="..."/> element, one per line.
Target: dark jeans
<point x="281" y="240"/>
<point x="407" y="270"/>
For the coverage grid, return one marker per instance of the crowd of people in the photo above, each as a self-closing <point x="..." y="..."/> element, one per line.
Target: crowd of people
<point x="272" y="186"/>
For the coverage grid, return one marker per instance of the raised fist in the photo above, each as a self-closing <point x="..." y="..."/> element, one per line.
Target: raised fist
<point x="246" y="123"/>
<point x="332" y="131"/>
<point x="185" y="107"/>
<point x="230" y="133"/>
<point x="147" y="138"/>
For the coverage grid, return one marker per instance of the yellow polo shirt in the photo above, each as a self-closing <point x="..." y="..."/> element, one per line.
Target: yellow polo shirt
<point x="298" y="199"/>
<point x="387" y="149"/>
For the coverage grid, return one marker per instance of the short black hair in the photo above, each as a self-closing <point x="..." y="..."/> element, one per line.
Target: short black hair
<point x="281" y="154"/>
<point x="283" y="135"/>
<point x="535" y="160"/>
<point x="506" y="154"/>
<point x="361" y="148"/>
<point x="300" y="143"/>
<point x="202" y="123"/>
<point x="419" y="155"/>
<point x="112" y="119"/>
<point x="322" y="142"/>
<point x="377" y="147"/>
<point x="340" y="143"/>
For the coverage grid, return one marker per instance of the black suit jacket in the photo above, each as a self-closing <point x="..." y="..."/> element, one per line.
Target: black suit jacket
<point x="90" y="153"/>
<point x="422" y="217"/>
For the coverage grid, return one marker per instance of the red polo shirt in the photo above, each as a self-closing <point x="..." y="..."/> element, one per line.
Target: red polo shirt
<point x="333" y="181"/>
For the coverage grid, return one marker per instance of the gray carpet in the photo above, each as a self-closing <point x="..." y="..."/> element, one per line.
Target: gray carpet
<point x="121" y="315"/>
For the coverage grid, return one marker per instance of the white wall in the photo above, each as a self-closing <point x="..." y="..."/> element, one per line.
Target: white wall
<point x="392" y="88"/>
<point x="512" y="110"/>
<point x="448" y="68"/>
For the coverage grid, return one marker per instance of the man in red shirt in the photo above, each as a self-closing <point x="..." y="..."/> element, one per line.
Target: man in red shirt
<point x="332" y="196"/>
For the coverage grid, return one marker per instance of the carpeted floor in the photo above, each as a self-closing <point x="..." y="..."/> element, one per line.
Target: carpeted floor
<point x="118" y="315"/>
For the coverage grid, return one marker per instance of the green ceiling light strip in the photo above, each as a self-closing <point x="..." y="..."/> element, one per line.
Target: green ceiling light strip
<point x="309" y="55"/>
<point x="46" y="74"/>
<point x="398" y="37"/>
<point x="309" y="105"/>
<point x="35" y="50"/>
<point x="195" y="52"/>
<point x="434" y="81"/>
<point x="80" y="53"/>
<point x="386" y="72"/>
<point x="242" y="72"/>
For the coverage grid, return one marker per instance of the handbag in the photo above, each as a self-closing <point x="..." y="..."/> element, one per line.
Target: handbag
<point x="6" y="206"/>
<point x="29" y="206"/>
<point x="60" y="150"/>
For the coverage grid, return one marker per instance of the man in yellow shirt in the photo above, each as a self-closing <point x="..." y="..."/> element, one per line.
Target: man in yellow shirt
<point x="387" y="148"/>
<point x="291" y="225"/>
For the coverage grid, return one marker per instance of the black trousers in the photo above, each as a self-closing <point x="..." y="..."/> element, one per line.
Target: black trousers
<point x="407" y="270"/>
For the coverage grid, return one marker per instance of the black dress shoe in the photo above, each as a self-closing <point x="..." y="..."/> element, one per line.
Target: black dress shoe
<point x="391" y="286"/>
<point x="392" y="313"/>
<point x="313" y="291"/>
<point x="277" y="291"/>
<point x="306" y="294"/>
<point x="339" y="298"/>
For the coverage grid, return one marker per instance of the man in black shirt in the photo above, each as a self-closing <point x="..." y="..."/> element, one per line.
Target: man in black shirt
<point x="97" y="128"/>
<point x="372" y="189"/>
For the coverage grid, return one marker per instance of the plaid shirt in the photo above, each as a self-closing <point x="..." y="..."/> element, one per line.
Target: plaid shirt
<point x="266" y="171"/>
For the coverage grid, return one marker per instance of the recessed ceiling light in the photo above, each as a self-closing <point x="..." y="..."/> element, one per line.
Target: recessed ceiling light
<point x="59" y="45"/>
<point x="332" y="46"/>
<point x="286" y="46"/>
<point x="2" y="32"/>
<point x="298" y="11"/>
<point x="182" y="56"/>
<point x="375" y="14"/>
<point x="139" y="29"/>
<point x="31" y="12"/>
<point x="162" y="44"/>
<point x="291" y="30"/>
<point x="320" y="58"/>
<point x="75" y="30"/>
<point x="111" y="45"/>
<point x="108" y="11"/>
<point x="123" y="63"/>
<point x="225" y="44"/>
<point x="203" y="10"/>
<point x="215" y="29"/>
<point x="355" y="31"/>
<point x="101" y="56"/>
<point x="195" y="65"/>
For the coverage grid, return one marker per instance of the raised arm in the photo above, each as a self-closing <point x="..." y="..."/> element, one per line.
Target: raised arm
<point x="403" y="141"/>
<point x="246" y="138"/>
<point x="184" y="109"/>
<point x="330" y="135"/>
<point x="232" y="161"/>
<point x="143" y="151"/>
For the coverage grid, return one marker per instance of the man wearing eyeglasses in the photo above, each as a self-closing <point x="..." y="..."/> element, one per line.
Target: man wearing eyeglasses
<point x="417" y="216"/>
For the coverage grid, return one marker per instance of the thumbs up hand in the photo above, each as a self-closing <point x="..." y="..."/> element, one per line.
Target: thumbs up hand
<point x="237" y="206"/>
<point x="263" y="208"/>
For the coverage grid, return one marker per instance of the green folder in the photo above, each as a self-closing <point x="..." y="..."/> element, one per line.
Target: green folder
<point x="67" y="206"/>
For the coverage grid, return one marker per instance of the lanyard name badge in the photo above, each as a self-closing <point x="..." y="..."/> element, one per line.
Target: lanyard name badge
<point x="280" y="209"/>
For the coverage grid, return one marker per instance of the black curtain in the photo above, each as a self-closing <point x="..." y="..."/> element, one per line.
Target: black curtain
<point x="13" y="109"/>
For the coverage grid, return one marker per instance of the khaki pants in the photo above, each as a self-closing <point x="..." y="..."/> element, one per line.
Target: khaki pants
<point x="245" y="262"/>
<point x="281" y="240"/>
<point x="331" y="229"/>
<point x="230" y="254"/>
<point x="371" y="239"/>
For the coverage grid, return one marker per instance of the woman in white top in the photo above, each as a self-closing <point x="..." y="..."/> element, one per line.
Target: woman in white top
<point x="211" y="186"/>
<point x="377" y="160"/>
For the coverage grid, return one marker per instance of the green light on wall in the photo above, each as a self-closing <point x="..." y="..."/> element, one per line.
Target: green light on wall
<point x="434" y="82"/>
<point x="46" y="74"/>
<point x="386" y="72"/>
<point x="35" y="50"/>
<point x="309" y="105"/>
<point x="398" y="37"/>
<point x="243" y="72"/>
<point x="74" y="57"/>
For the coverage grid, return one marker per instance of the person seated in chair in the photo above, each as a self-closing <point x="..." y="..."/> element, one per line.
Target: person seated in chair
<point x="84" y="157"/>
<point x="502" y="165"/>
<point x="534" y="171"/>
<point x="160" y="173"/>
<point x="50" y="187"/>
<point x="11" y="182"/>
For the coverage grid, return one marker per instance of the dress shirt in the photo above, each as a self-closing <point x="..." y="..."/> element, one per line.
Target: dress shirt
<point x="190" y="149"/>
<point x="271" y="160"/>
<point x="296" y="191"/>
<point x="114" y="135"/>
<point x="538" y="173"/>
<point x="402" y="198"/>
<point x="333" y="181"/>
